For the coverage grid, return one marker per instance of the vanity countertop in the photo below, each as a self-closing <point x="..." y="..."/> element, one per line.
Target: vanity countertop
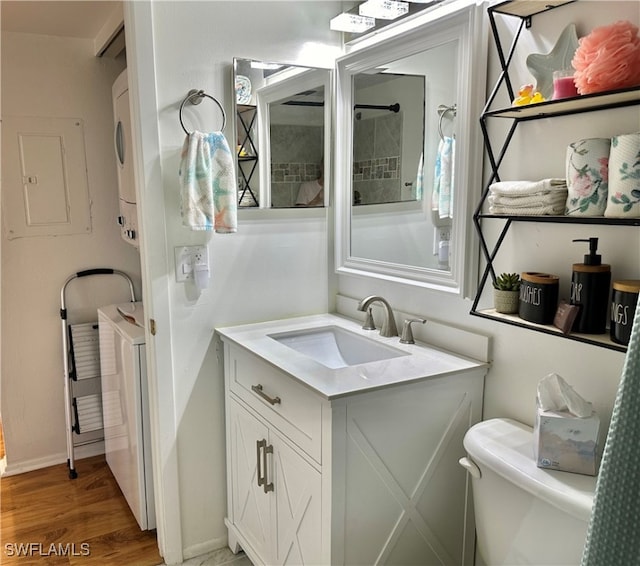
<point x="424" y="361"/>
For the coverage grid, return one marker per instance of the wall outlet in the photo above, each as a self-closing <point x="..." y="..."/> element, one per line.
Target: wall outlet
<point x="186" y="257"/>
<point x="440" y="234"/>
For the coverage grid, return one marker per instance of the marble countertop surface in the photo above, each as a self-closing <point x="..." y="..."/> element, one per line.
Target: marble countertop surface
<point x="423" y="362"/>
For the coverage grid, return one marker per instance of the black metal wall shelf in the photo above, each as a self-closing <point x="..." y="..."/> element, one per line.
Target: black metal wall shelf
<point x="601" y="340"/>
<point x="600" y="220"/>
<point x="525" y="9"/>
<point x="566" y="106"/>
<point x="247" y="154"/>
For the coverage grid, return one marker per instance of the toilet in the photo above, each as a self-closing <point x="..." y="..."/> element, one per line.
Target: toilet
<point x="523" y="514"/>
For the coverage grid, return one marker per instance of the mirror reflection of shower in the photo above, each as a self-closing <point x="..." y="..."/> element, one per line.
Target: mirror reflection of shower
<point x="297" y="146"/>
<point x="387" y="137"/>
<point x="282" y="120"/>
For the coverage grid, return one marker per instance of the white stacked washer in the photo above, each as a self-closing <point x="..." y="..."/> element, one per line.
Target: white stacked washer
<point x="125" y="406"/>
<point x="128" y="218"/>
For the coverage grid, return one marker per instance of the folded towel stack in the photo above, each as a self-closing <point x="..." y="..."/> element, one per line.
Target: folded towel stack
<point x="528" y="198"/>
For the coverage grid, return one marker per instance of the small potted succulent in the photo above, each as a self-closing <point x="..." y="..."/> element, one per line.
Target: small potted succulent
<point x="506" y="293"/>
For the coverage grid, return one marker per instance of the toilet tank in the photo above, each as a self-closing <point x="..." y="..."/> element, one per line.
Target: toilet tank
<point x="524" y="514"/>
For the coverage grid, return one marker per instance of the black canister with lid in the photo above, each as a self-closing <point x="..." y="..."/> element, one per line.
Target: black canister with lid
<point x="590" y="290"/>
<point x="624" y="299"/>
<point x="538" y="297"/>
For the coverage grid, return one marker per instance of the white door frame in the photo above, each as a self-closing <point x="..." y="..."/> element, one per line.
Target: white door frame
<point x="138" y="18"/>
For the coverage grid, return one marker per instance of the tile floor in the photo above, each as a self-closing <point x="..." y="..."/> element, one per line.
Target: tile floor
<point x="221" y="557"/>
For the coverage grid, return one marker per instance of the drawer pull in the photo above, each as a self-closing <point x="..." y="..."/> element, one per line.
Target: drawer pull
<point x="258" y="390"/>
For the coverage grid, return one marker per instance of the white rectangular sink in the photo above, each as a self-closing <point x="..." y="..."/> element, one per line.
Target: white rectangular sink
<point x="335" y="347"/>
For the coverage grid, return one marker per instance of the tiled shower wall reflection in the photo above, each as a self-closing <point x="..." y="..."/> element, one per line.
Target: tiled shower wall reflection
<point x="377" y="148"/>
<point x="296" y="156"/>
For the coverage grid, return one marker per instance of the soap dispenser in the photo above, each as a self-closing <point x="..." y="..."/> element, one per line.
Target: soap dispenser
<point x="590" y="290"/>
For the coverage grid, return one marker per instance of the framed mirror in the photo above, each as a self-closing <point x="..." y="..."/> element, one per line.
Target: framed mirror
<point x="283" y="118"/>
<point x="408" y="155"/>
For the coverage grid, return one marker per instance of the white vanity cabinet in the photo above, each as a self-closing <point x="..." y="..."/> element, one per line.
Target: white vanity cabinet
<point x="274" y="487"/>
<point x="369" y="477"/>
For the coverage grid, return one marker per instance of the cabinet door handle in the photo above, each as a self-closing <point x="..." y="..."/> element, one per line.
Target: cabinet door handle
<point x="261" y="464"/>
<point x="258" y="390"/>
<point x="267" y="450"/>
<point x="260" y="445"/>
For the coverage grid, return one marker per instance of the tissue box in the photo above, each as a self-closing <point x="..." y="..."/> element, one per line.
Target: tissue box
<point x="565" y="442"/>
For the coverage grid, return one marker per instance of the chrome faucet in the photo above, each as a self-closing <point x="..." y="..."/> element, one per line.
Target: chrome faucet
<point x="389" y="324"/>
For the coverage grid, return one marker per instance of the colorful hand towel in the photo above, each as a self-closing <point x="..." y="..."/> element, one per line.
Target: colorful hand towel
<point x="443" y="181"/>
<point x="420" y="179"/>
<point x="587" y="165"/>
<point x="208" y="183"/>
<point x="623" y="200"/>
<point x="521" y="188"/>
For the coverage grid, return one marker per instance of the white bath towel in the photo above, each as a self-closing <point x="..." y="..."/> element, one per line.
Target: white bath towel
<point x="537" y="199"/>
<point x="208" y="183"/>
<point x="515" y="188"/>
<point x="542" y="209"/>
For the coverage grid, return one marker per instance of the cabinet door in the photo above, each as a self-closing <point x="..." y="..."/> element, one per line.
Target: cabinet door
<point x="406" y="495"/>
<point x="251" y="505"/>
<point x="296" y="512"/>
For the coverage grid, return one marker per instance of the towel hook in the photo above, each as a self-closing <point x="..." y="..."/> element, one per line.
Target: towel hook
<point x="442" y="110"/>
<point x="200" y="94"/>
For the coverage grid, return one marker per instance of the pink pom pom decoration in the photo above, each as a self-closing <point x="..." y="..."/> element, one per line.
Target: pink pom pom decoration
<point x="608" y="58"/>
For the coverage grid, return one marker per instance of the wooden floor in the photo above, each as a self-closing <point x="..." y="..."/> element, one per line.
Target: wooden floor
<point x="59" y="521"/>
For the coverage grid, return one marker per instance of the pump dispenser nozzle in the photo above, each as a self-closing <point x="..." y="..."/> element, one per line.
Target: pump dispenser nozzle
<point x="592" y="258"/>
<point x="590" y="290"/>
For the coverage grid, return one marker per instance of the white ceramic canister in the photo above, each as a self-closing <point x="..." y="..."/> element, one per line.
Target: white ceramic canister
<point x="624" y="177"/>
<point x="587" y="176"/>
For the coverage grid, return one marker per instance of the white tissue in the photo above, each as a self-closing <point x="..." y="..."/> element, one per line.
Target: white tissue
<point x="555" y="394"/>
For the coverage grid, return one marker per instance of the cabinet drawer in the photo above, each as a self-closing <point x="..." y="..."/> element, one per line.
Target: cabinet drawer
<point x="292" y="408"/>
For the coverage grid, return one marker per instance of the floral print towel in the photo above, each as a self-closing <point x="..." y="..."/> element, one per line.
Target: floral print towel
<point x="588" y="177"/>
<point x="624" y="177"/>
<point x="207" y="183"/>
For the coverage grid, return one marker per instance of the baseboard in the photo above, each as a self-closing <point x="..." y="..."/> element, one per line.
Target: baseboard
<point x="89" y="450"/>
<point x="204" y="547"/>
<point x="80" y="452"/>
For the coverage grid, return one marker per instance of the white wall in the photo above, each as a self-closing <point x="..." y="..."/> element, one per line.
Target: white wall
<point x="54" y="77"/>
<point x="522" y="357"/>
<point x="275" y="266"/>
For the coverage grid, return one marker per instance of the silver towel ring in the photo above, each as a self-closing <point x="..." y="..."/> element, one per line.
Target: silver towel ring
<point x="442" y="110"/>
<point x="200" y="94"/>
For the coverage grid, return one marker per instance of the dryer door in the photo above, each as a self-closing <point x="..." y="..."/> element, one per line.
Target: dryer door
<point x="122" y="142"/>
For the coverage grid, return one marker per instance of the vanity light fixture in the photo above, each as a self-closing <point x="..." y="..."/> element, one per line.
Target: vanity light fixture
<point x="383" y="9"/>
<point x="352" y="23"/>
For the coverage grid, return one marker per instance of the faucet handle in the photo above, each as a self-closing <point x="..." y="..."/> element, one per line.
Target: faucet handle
<point x="407" y="333"/>
<point x="369" y="323"/>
